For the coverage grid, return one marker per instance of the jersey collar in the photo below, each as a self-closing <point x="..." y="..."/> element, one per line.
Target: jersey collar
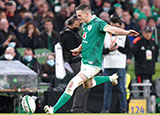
<point x="93" y="17"/>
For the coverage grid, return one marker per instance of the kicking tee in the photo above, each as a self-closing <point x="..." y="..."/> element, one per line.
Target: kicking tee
<point x="93" y="39"/>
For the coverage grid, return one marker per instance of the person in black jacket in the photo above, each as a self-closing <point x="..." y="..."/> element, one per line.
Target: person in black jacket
<point x="144" y="52"/>
<point x="49" y="37"/>
<point x="71" y="39"/>
<point x="29" y="36"/>
<point x="6" y="35"/>
<point x="10" y="54"/>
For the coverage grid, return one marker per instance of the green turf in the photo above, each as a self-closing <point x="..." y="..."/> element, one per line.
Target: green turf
<point x="85" y="114"/>
<point x="155" y="76"/>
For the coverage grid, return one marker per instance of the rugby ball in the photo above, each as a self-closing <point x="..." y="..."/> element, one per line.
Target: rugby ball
<point x="28" y="104"/>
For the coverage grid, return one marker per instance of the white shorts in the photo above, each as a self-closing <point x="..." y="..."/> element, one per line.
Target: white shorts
<point x="89" y="71"/>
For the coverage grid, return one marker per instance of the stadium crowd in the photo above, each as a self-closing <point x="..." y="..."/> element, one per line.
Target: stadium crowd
<point x="34" y="24"/>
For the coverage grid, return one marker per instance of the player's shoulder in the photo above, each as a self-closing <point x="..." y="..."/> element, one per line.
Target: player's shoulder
<point x="136" y="40"/>
<point x="99" y="22"/>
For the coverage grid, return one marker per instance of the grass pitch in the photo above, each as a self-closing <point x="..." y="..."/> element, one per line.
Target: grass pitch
<point x="83" y="114"/>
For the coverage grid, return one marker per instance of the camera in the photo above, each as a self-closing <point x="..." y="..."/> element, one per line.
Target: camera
<point x="114" y="44"/>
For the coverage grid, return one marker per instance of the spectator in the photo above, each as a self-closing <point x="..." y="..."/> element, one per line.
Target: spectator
<point x="9" y="54"/>
<point x="137" y="11"/>
<point x="51" y="16"/>
<point x="61" y="16"/>
<point x="48" y="15"/>
<point x="96" y="4"/>
<point x="26" y="4"/>
<point x="115" y="62"/>
<point x="147" y="11"/>
<point x="104" y="16"/>
<point x="42" y="10"/>
<point x="118" y="9"/>
<point x="144" y="52"/>
<point x="36" y="4"/>
<point x="21" y="16"/>
<point x="26" y="17"/>
<point x="129" y="22"/>
<point x="2" y="5"/>
<point x="49" y="37"/>
<point x="71" y="7"/>
<point x="5" y="33"/>
<point x="3" y="15"/>
<point x="151" y="22"/>
<point x="156" y="9"/>
<point x="48" y="70"/>
<point x="12" y="17"/>
<point x="124" y="3"/>
<point x="29" y="60"/>
<point x="29" y="36"/>
<point x="142" y="22"/>
<point x="105" y="8"/>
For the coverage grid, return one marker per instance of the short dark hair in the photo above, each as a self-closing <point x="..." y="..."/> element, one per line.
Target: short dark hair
<point x="129" y="12"/>
<point x="50" y="54"/>
<point x="83" y="7"/>
<point x="151" y="18"/>
<point x="114" y="18"/>
<point x="28" y="49"/>
<point x="48" y="20"/>
<point x="72" y="19"/>
<point x="69" y="4"/>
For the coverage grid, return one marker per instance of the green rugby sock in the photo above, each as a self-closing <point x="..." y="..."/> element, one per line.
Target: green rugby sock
<point x="62" y="100"/>
<point x="101" y="79"/>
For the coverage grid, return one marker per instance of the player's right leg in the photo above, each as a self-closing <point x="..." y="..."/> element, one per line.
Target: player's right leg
<point x="91" y="71"/>
<point x="97" y="80"/>
<point x="72" y="85"/>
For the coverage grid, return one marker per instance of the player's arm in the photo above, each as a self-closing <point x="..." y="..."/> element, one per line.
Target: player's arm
<point x="119" y="31"/>
<point x="79" y="48"/>
<point x="76" y="51"/>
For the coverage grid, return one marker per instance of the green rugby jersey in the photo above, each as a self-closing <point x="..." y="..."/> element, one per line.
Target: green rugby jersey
<point x="92" y="44"/>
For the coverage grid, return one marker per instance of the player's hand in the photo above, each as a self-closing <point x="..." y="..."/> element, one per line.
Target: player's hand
<point x="133" y="33"/>
<point x="75" y="51"/>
